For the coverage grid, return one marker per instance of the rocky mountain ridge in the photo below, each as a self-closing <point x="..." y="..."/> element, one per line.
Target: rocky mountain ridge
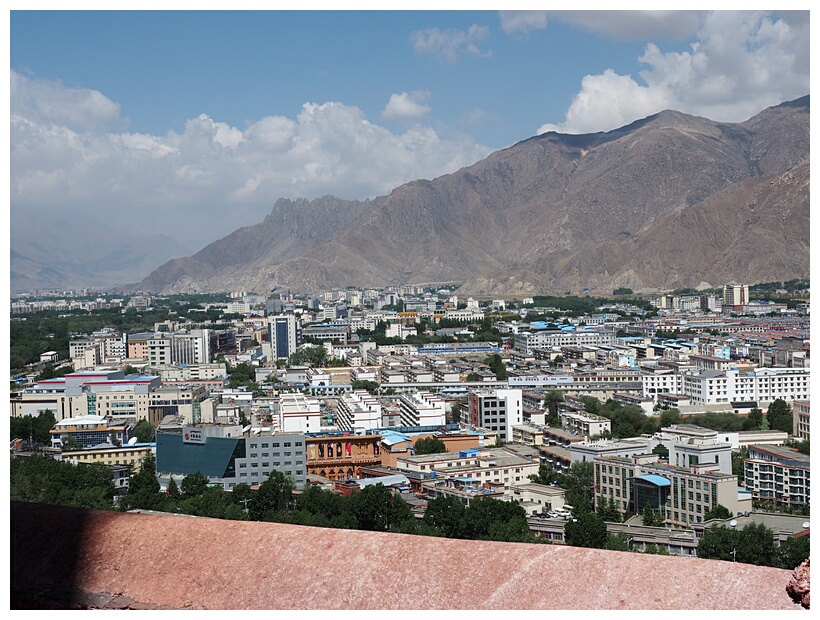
<point x="668" y="201"/>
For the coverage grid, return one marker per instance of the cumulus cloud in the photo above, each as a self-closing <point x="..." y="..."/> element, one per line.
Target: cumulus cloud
<point x="210" y="178"/>
<point x="407" y="105"/>
<point x="51" y="103"/>
<point x="450" y="44"/>
<point x="521" y="22"/>
<point x="740" y="63"/>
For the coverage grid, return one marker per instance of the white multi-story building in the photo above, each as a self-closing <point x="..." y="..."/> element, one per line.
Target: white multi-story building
<point x="545" y="339"/>
<point x="495" y="409"/>
<point x="762" y="385"/>
<point x="422" y="409"/>
<point x="299" y="413"/>
<point x="358" y="410"/>
<point x="584" y="423"/>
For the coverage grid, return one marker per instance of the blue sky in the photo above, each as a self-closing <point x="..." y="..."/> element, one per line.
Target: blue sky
<point x="202" y="120"/>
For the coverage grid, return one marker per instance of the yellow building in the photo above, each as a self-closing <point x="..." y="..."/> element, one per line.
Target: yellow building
<point x="132" y="456"/>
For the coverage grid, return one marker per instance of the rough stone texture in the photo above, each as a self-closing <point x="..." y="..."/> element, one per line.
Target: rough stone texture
<point x="800" y="583"/>
<point x="72" y="559"/>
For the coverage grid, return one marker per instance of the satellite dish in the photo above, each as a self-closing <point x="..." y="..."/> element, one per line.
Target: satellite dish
<point x="246" y="429"/>
<point x="733" y="522"/>
<point x="805" y="524"/>
<point x="132" y="441"/>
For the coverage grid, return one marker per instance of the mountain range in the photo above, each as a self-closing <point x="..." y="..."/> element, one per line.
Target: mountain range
<point x="665" y="202"/>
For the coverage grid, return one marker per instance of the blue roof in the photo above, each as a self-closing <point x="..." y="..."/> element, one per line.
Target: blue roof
<point x="656" y="480"/>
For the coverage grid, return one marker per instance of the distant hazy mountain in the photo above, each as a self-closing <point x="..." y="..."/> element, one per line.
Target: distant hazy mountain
<point x="63" y="253"/>
<point x="668" y="201"/>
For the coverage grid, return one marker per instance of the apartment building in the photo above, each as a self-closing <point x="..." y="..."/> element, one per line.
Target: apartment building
<point x="130" y="455"/>
<point x="777" y="476"/>
<point x="762" y="385"/>
<point x="584" y="423"/>
<point x="422" y="409"/>
<point x="90" y="431"/>
<point x="299" y="413"/>
<point x="495" y="409"/>
<point x="800" y="419"/>
<point x="358" y="410"/>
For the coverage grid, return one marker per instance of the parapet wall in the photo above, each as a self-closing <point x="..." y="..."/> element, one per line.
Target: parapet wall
<point x="74" y="558"/>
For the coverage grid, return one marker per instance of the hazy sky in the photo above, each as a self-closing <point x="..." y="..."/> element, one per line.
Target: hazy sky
<point x="196" y="122"/>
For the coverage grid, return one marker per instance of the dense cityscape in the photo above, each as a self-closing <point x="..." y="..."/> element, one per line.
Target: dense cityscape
<point x="675" y="424"/>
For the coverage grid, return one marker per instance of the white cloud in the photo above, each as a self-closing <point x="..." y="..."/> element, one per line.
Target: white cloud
<point x="741" y="63"/>
<point x="515" y="22"/>
<point x="407" y="105"/>
<point x="449" y="44"/>
<point x="634" y="25"/>
<point x="48" y="102"/>
<point x="210" y="178"/>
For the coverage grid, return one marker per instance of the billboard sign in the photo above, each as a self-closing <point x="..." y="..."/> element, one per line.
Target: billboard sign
<point x="192" y="435"/>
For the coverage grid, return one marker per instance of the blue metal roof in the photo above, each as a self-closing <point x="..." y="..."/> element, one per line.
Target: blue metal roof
<point x="656" y="480"/>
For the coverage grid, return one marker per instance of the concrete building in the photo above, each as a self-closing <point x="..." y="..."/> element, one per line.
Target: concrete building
<point x="422" y="409"/>
<point x="229" y="458"/>
<point x="762" y="385"/>
<point x="682" y="495"/>
<point x="527" y="342"/>
<point x="358" y="411"/>
<point x="130" y="455"/>
<point x="496" y="409"/>
<point x="90" y="431"/>
<point x="285" y="335"/>
<point x="800" y="419"/>
<point x="299" y="413"/>
<point x="734" y="296"/>
<point x="777" y="477"/>
<point x="587" y="451"/>
<point x="584" y="423"/>
<point x="490" y="465"/>
<point x="690" y="445"/>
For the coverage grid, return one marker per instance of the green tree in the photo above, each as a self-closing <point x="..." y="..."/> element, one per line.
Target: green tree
<point x="446" y="514"/>
<point x="793" y="551"/>
<point x="651" y="517"/>
<point x="454" y="416"/>
<point x="370" y="386"/>
<point x="755" y="420"/>
<point x="172" y="490"/>
<point x="273" y="497"/>
<point x="473" y="376"/>
<point x="578" y="483"/>
<point x="546" y="474"/>
<point x="37" y="428"/>
<point x="661" y="450"/>
<point x="430" y="445"/>
<point x="194" y="484"/>
<point x="143" y="488"/>
<point x="718" y="512"/>
<point x="144" y="431"/>
<point x="69" y="443"/>
<point x="779" y="416"/>
<point x="586" y="530"/>
<point x="617" y="542"/>
<point x="241" y="495"/>
<point x="753" y="544"/>
<point x="376" y="508"/>
<point x="608" y="511"/>
<point x="487" y="518"/>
